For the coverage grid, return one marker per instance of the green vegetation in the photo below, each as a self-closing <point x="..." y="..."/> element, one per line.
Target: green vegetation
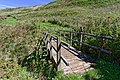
<point x="9" y="21"/>
<point x="11" y="71"/>
<point x="20" y="29"/>
<point x="103" y="71"/>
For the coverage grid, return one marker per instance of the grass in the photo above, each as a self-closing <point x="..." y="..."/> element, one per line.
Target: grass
<point x="15" y="43"/>
<point x="102" y="71"/>
<point x="51" y="27"/>
<point x="9" y="21"/>
<point x="12" y="71"/>
<point x="20" y="32"/>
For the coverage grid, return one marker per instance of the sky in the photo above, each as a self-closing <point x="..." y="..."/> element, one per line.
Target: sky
<point x="21" y="3"/>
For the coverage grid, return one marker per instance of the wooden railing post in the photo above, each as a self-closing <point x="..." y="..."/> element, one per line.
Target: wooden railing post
<point x="60" y="35"/>
<point x="102" y="40"/>
<point x="44" y="33"/>
<point x="101" y="44"/>
<point x="50" y="47"/>
<point x="71" y="36"/>
<point x="47" y="43"/>
<point x="46" y="36"/>
<point x="64" y="37"/>
<point x="81" y="37"/>
<point x="58" y="54"/>
<point x="77" y="24"/>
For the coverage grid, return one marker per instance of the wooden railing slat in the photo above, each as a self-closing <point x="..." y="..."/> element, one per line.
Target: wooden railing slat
<point x="64" y="60"/>
<point x="94" y="47"/>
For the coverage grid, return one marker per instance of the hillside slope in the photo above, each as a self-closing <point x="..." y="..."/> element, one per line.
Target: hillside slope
<point x="90" y="14"/>
<point x="20" y="29"/>
<point x="67" y="13"/>
<point x="96" y="16"/>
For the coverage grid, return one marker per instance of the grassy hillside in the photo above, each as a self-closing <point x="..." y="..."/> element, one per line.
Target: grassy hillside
<point x="20" y="29"/>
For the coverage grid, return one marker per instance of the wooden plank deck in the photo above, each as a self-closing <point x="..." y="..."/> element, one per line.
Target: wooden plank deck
<point x="76" y="64"/>
<point x="67" y="57"/>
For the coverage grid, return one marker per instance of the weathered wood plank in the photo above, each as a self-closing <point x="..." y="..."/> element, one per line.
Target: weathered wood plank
<point x="64" y="53"/>
<point x="71" y="37"/>
<point x="98" y="48"/>
<point x="59" y="54"/>
<point x="64" y="60"/>
<point x="98" y="36"/>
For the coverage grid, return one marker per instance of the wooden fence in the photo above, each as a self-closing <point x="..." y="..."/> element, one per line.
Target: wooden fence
<point x="82" y="35"/>
<point x="48" y="42"/>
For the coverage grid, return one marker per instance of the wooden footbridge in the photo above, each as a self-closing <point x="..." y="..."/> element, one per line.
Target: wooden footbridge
<point x="68" y="58"/>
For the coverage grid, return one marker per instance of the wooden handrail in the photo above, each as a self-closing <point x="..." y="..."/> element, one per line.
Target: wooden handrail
<point x="102" y="37"/>
<point x="98" y="36"/>
<point x="98" y="48"/>
<point x="48" y="38"/>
